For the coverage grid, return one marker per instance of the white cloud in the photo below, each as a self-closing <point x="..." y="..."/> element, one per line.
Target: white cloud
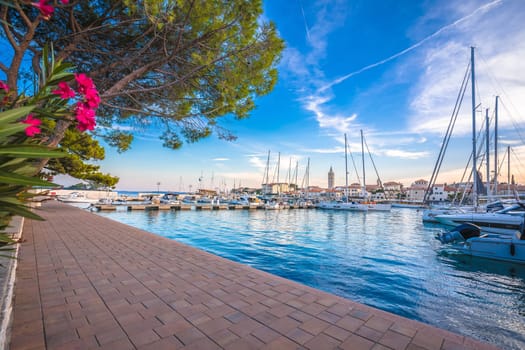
<point x="405" y="154"/>
<point x="500" y="45"/>
<point x="220" y="159"/>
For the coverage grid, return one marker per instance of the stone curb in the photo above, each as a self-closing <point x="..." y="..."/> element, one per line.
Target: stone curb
<point x="7" y="287"/>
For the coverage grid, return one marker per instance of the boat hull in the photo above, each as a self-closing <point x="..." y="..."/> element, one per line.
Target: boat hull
<point x="379" y="206"/>
<point x="351" y="206"/>
<point x="502" y="248"/>
<point x="488" y="222"/>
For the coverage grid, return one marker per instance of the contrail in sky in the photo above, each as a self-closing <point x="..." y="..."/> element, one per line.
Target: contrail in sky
<point x="485" y="7"/>
<point x="305" y="23"/>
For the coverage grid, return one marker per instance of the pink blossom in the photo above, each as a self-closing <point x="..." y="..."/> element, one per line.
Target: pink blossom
<point x="64" y="91"/>
<point x="4" y="86"/>
<point x="85" y="117"/>
<point x="92" y="98"/>
<point x="45" y="9"/>
<point x="84" y="83"/>
<point x="33" y="128"/>
<point x="65" y="2"/>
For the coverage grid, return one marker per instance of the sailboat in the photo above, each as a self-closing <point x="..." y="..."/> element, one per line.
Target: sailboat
<point x="509" y="245"/>
<point x="346" y="204"/>
<point x="371" y="205"/>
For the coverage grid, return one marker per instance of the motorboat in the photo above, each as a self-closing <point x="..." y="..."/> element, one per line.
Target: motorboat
<point x="340" y="205"/>
<point x="76" y="197"/>
<point x="273" y="205"/>
<point x="374" y="206"/>
<point x="468" y="239"/>
<point x="429" y="215"/>
<point x="505" y="221"/>
<point x="169" y="198"/>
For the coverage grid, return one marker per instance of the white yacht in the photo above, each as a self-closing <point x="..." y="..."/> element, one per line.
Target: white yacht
<point x="340" y="205"/>
<point x="505" y="221"/>
<point x="76" y="197"/>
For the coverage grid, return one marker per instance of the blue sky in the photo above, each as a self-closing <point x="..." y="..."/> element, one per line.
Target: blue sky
<point x="390" y="68"/>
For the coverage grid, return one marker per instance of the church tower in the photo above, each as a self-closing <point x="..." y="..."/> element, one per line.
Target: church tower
<point x="331" y="177"/>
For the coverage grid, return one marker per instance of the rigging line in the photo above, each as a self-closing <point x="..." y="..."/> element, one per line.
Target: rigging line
<point x="502" y="162"/>
<point x="496" y="82"/>
<point x="370" y="155"/>
<point x="448" y="134"/>
<point x="514" y="123"/>
<point x="355" y="167"/>
<point x="517" y="158"/>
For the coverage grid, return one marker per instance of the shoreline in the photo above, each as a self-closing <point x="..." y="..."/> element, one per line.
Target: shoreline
<point x="79" y="272"/>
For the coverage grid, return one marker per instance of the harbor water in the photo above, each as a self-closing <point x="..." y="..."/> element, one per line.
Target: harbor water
<point x="388" y="260"/>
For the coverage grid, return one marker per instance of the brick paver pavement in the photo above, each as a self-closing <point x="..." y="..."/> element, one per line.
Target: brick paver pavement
<point x="86" y="282"/>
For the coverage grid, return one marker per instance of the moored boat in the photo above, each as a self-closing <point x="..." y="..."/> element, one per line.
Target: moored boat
<point x="505" y="221"/>
<point x="468" y="239"/>
<point x="340" y="205"/>
<point x="76" y="197"/>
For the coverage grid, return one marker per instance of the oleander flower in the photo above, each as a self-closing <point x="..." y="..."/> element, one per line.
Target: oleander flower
<point x="4" y="86"/>
<point x="33" y="128"/>
<point x="84" y="83"/>
<point x="92" y="98"/>
<point x="45" y="10"/>
<point x="85" y="117"/>
<point x="64" y="91"/>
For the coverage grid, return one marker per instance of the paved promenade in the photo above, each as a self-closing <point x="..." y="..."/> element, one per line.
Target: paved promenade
<point x="86" y="282"/>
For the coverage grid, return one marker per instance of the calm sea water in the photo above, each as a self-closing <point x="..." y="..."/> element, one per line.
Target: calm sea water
<point x="386" y="260"/>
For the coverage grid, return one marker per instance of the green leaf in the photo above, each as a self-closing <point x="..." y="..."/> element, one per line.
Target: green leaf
<point x="12" y="162"/>
<point x="31" y="151"/>
<point x="23" y="211"/>
<point x="15" y="179"/>
<point x="14" y="114"/>
<point x="12" y="129"/>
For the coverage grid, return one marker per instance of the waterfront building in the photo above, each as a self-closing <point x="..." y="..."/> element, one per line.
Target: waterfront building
<point x="416" y="191"/>
<point x="439" y="193"/>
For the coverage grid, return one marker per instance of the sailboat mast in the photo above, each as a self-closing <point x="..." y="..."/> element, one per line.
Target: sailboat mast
<point x="308" y="178"/>
<point x="346" y="171"/>
<point x="474" y="155"/>
<point x="508" y="170"/>
<point x="296" y="173"/>
<point x="267" y="173"/>
<point x="278" y="165"/>
<point x="496" y="146"/>
<point x="363" y="161"/>
<point x="487" y="144"/>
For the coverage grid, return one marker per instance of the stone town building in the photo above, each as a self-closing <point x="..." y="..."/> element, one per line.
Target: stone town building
<point x="331" y="179"/>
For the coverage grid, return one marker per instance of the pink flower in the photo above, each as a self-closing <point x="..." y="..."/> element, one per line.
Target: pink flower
<point x="85" y="117"/>
<point x="45" y="10"/>
<point x="84" y="83"/>
<point x="64" y="91"/>
<point x="4" y="86"/>
<point x="92" y="98"/>
<point x="33" y="128"/>
<point x="65" y="2"/>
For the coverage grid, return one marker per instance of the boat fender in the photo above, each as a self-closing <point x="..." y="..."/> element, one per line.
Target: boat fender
<point x="512" y="249"/>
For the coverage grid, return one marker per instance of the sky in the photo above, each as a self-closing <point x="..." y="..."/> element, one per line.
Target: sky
<point x="392" y="69"/>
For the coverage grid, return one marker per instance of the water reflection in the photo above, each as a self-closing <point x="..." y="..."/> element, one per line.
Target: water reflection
<point x="387" y="260"/>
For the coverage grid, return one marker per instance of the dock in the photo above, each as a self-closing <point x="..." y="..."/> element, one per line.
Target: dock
<point x="184" y="206"/>
<point x="87" y="282"/>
